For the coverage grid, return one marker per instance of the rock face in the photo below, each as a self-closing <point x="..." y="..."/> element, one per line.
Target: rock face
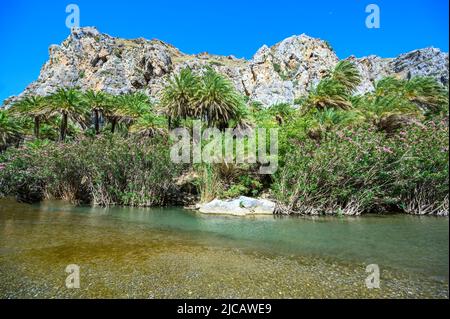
<point x="288" y="69"/>
<point x="89" y="59"/>
<point x="425" y="62"/>
<point x="241" y="206"/>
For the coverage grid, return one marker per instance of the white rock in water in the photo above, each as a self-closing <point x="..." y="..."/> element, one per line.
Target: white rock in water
<point x="241" y="206"/>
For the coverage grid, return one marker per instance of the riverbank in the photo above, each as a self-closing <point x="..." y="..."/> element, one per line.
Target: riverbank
<point x="330" y="152"/>
<point x="347" y="172"/>
<point x="172" y="253"/>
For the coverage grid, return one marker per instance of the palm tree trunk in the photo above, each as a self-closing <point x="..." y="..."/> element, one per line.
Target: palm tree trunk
<point x="113" y="125"/>
<point x="222" y="126"/>
<point x="37" y="125"/>
<point x="63" y="127"/>
<point x="97" y="122"/>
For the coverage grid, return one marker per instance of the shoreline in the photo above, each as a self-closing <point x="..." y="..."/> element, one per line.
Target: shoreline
<point x="194" y="208"/>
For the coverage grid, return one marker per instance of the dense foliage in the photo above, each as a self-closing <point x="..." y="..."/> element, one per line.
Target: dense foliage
<point x="362" y="170"/>
<point x="105" y="171"/>
<point x="339" y="152"/>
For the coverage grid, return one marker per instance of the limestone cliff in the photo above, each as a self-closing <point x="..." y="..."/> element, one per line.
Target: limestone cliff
<point x="281" y="73"/>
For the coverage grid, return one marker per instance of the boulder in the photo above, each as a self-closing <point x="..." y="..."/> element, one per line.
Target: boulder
<point x="241" y="206"/>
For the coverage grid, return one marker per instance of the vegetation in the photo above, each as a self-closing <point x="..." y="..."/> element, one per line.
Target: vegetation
<point x="216" y="101"/>
<point x="9" y="130"/>
<point x="69" y="105"/>
<point x="339" y="152"/>
<point x="177" y="97"/>
<point x="363" y="170"/>
<point x="99" y="105"/>
<point x="334" y="90"/>
<point x="109" y="170"/>
<point x="34" y="107"/>
<point x="211" y="98"/>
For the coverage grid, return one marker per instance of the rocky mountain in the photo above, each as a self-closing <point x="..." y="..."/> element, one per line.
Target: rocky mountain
<point x="281" y="73"/>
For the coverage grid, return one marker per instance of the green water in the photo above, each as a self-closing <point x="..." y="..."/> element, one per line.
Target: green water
<point x="174" y="253"/>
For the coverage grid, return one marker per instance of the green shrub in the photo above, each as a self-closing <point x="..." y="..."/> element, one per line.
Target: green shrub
<point x="245" y="186"/>
<point x="235" y="191"/>
<point x="364" y="170"/>
<point x="104" y="171"/>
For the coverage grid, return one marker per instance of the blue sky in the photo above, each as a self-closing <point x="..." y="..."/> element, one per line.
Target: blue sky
<point x="27" y="28"/>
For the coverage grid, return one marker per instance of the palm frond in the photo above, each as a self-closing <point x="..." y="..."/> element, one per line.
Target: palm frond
<point x="347" y="74"/>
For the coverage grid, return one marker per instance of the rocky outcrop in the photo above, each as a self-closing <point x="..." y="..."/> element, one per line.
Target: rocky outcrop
<point x="89" y="59"/>
<point x="424" y="62"/>
<point x="288" y="69"/>
<point x="372" y="69"/>
<point x="241" y="206"/>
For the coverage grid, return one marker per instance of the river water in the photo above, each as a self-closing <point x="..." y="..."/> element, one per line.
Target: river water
<point x="174" y="253"/>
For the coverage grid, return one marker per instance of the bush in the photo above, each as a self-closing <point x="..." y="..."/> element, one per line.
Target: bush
<point x="245" y="186"/>
<point x="364" y="170"/>
<point x="107" y="170"/>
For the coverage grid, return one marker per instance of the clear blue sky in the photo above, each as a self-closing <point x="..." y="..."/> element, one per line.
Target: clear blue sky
<point x="27" y="28"/>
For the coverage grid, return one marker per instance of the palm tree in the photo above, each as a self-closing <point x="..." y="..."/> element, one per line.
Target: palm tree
<point x="149" y="124"/>
<point x="426" y="92"/>
<point x="216" y="101"/>
<point x="127" y="108"/>
<point x="335" y="90"/>
<point x="9" y="130"/>
<point x="329" y="93"/>
<point x="33" y="106"/>
<point x="388" y="106"/>
<point x="99" y="104"/>
<point x="346" y="73"/>
<point x="177" y="97"/>
<point x="69" y="104"/>
<point x="118" y="110"/>
<point x="113" y="116"/>
<point x="281" y="112"/>
<point x="383" y="106"/>
<point x="133" y="106"/>
<point x="389" y="86"/>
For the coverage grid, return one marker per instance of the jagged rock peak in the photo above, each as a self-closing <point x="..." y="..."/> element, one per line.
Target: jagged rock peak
<point x="430" y="62"/>
<point x="89" y="59"/>
<point x="423" y="62"/>
<point x="86" y="31"/>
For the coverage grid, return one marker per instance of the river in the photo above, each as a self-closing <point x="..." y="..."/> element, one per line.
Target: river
<point x="175" y="253"/>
